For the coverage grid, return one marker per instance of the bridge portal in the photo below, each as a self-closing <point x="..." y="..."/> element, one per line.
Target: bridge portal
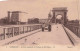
<point x="59" y="11"/>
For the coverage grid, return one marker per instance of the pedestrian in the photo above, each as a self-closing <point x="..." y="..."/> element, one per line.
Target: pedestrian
<point x="49" y="27"/>
<point x="43" y="26"/>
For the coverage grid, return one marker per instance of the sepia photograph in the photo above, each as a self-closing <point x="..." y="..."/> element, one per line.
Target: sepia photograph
<point x="50" y="24"/>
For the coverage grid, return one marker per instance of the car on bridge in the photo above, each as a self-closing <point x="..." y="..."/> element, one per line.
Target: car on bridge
<point x="46" y="27"/>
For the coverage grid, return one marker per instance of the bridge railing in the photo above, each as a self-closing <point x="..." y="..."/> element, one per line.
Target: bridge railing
<point x="74" y="28"/>
<point x="8" y="32"/>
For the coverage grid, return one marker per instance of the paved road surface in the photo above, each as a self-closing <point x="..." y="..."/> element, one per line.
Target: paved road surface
<point x="56" y="36"/>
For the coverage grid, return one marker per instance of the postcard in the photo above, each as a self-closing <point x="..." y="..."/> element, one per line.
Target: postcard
<point x="39" y="25"/>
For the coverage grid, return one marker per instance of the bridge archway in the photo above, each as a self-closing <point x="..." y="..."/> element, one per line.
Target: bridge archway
<point x="59" y="19"/>
<point x="60" y="11"/>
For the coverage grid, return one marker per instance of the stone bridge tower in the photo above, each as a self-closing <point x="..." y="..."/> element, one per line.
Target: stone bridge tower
<point x="60" y="11"/>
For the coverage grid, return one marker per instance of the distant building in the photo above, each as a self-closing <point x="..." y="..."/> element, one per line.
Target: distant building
<point x="43" y="21"/>
<point x="33" y="21"/>
<point x="37" y="21"/>
<point x="13" y="17"/>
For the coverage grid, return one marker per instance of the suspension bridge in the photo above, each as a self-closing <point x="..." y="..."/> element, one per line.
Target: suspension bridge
<point x="62" y="33"/>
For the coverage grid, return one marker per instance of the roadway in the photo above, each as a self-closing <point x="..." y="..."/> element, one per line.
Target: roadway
<point x="57" y="36"/>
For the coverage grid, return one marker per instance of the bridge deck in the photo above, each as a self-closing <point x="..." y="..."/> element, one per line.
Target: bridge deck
<point x="56" y="36"/>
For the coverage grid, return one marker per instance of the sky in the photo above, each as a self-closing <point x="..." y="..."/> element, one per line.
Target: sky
<point x="38" y="8"/>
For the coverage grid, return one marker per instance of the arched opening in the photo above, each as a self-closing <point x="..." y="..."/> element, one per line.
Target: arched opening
<point x="59" y="19"/>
